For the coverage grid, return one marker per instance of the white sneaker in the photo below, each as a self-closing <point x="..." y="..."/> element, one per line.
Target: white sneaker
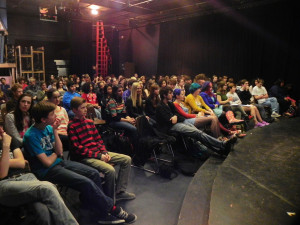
<point x="275" y="115"/>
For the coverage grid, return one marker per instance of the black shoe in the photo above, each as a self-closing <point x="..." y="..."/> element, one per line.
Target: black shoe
<point x="228" y="146"/>
<point x="122" y="214"/>
<point x="110" y="219"/>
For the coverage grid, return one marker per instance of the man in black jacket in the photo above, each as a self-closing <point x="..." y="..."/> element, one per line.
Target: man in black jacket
<point x="168" y="119"/>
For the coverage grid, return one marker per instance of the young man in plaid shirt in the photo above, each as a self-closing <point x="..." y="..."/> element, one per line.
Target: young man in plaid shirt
<point x="88" y="148"/>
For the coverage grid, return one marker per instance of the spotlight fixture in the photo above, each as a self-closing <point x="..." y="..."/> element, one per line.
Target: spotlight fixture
<point x="94" y="12"/>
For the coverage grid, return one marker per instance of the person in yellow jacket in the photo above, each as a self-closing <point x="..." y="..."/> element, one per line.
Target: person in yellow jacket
<point x="195" y="102"/>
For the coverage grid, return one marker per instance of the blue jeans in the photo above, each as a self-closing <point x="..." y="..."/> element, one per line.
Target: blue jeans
<point x="272" y="102"/>
<point x="191" y="131"/>
<point x="84" y="179"/>
<point x="42" y="195"/>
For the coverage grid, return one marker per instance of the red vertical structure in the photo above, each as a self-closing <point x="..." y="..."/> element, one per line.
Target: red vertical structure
<point x="103" y="57"/>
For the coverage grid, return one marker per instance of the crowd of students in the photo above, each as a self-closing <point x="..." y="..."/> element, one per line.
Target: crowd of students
<point x="41" y="121"/>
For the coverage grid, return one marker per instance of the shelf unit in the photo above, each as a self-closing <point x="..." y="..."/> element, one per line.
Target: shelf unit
<point x="30" y="62"/>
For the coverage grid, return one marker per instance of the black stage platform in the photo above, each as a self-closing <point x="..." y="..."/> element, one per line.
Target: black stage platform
<point x="258" y="183"/>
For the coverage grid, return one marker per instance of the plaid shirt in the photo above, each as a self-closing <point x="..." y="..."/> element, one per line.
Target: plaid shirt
<point x="86" y="141"/>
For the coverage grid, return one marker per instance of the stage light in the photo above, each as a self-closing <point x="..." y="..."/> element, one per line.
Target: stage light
<point x="94" y="7"/>
<point x="94" y="12"/>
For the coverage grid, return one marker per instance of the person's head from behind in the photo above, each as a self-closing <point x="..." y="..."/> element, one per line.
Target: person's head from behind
<point x="195" y="89"/>
<point x="78" y="106"/>
<point x="87" y="87"/>
<point x="53" y="96"/>
<point x="130" y="83"/>
<point x="166" y="93"/>
<point x="17" y="90"/>
<point x="71" y="86"/>
<point x="43" y="113"/>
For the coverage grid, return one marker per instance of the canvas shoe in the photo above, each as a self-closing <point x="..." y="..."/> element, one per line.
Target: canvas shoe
<point x="275" y="115"/>
<point x="110" y="219"/>
<point x="122" y="214"/>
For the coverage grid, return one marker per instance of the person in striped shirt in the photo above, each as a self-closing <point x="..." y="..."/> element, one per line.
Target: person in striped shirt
<point x="88" y="148"/>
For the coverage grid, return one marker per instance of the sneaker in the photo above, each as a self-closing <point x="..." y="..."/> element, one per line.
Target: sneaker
<point x="124" y="196"/>
<point x="265" y="123"/>
<point x="275" y="115"/>
<point x="228" y="146"/>
<point x="110" y="219"/>
<point x="259" y="125"/>
<point x="122" y="214"/>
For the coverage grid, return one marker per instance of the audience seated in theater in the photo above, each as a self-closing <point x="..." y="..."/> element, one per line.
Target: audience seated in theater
<point x="152" y="101"/>
<point x="44" y="149"/>
<point x="4" y="86"/>
<point x="42" y="94"/>
<point x="126" y="93"/>
<point x="211" y="100"/>
<point x="215" y="83"/>
<point x="169" y="120"/>
<point x="61" y="114"/>
<point x="3" y="97"/>
<point x="60" y="87"/>
<point x="247" y="108"/>
<point x="134" y="104"/>
<point x="52" y="84"/>
<point x="91" y="98"/>
<point x="225" y="102"/>
<point x="147" y="86"/>
<point x="21" y="81"/>
<point x="187" y="84"/>
<point x="116" y="115"/>
<point x="17" y="91"/>
<point x="18" y="121"/>
<point x="88" y="148"/>
<point x="198" y="120"/>
<point x="162" y="83"/>
<point x="77" y="84"/>
<point x="194" y="101"/>
<point x="32" y="88"/>
<point x="200" y="79"/>
<point x="68" y="96"/>
<point x="278" y="91"/>
<point x="261" y="95"/>
<point x="19" y="187"/>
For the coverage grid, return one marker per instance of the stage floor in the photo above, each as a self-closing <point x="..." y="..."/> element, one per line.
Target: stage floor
<point x="258" y="183"/>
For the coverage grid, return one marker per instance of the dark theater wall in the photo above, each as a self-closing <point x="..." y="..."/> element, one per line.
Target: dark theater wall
<point x="140" y="46"/>
<point x="259" y="41"/>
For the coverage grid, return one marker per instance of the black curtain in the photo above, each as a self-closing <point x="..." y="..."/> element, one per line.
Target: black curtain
<point x="259" y="41"/>
<point x="82" y="55"/>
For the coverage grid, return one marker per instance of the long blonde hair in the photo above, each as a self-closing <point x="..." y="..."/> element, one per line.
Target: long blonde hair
<point x="134" y="96"/>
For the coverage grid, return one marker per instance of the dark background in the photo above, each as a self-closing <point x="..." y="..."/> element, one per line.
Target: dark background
<point x="246" y="43"/>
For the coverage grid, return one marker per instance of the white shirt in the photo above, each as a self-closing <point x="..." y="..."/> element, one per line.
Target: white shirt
<point x="259" y="91"/>
<point x="235" y="98"/>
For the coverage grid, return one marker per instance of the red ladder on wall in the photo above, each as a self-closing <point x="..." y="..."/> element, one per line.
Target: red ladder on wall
<point x="103" y="57"/>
